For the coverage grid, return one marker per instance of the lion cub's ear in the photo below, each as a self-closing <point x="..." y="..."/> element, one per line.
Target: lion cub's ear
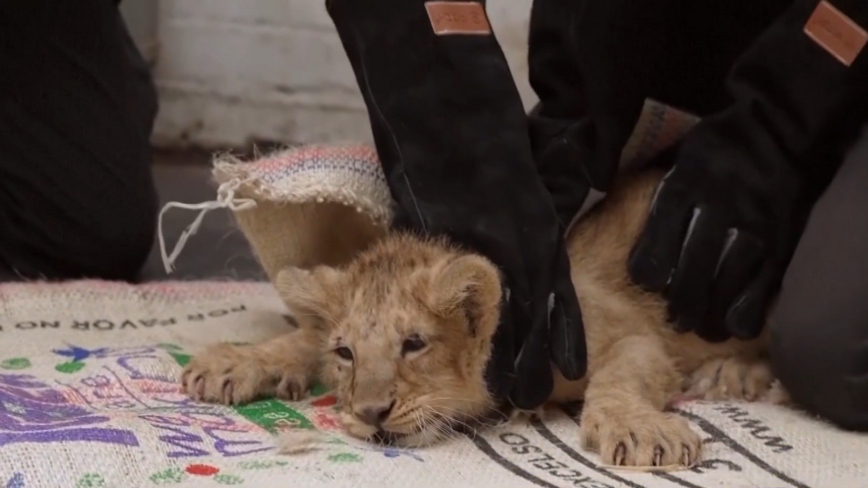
<point x="466" y="288"/>
<point x="313" y="296"/>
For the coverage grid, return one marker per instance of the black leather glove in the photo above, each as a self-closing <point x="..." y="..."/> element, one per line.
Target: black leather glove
<point x="452" y="136"/>
<point x="727" y="218"/>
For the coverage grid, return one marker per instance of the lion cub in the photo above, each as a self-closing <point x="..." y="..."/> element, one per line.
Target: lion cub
<point x="403" y="333"/>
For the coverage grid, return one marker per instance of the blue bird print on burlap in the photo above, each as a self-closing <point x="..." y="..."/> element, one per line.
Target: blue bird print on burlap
<point x="77" y="354"/>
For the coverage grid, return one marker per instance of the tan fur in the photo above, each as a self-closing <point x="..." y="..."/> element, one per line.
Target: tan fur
<point x="403" y="286"/>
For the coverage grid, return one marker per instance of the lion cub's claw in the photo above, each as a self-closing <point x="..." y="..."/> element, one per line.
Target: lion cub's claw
<point x="292" y="388"/>
<point x="731" y="378"/>
<point x="620" y="456"/>
<point x="235" y="375"/>
<point x="649" y="439"/>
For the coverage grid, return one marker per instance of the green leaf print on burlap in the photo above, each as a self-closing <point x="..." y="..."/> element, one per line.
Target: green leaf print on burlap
<point x="168" y="477"/>
<point x="91" y="480"/>
<point x="15" y="363"/>
<point x="70" y="367"/>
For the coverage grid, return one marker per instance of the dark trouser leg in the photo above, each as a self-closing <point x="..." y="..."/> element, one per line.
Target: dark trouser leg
<point x="77" y="106"/>
<point x="819" y="325"/>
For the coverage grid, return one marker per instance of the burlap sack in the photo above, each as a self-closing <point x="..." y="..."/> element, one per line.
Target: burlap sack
<point x="89" y="398"/>
<point x="314" y="205"/>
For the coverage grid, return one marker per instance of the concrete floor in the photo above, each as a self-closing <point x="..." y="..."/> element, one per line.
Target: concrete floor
<point x="219" y="250"/>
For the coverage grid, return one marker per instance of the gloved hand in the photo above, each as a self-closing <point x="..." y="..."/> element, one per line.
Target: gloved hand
<point x="452" y="136"/>
<point x="727" y="218"/>
<point x="721" y="228"/>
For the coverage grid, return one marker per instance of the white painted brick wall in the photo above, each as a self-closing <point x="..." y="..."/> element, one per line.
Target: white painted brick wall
<point x="233" y="71"/>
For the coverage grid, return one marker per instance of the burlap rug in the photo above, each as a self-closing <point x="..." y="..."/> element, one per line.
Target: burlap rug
<point x="89" y="392"/>
<point x="89" y="398"/>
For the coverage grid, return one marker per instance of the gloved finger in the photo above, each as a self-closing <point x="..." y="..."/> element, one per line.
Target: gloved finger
<point x="500" y="370"/>
<point x="567" y="331"/>
<point x="655" y="255"/>
<point x="534" y="381"/>
<point x="739" y="265"/>
<point x="747" y="316"/>
<point x="688" y="293"/>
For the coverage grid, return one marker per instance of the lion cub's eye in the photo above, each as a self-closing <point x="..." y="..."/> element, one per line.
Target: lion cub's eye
<point x="413" y="343"/>
<point x="344" y="353"/>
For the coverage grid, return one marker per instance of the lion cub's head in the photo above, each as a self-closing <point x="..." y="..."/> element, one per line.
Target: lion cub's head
<point x="408" y="329"/>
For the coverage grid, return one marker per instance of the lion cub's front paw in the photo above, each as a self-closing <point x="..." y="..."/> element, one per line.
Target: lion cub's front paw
<point x="731" y="378"/>
<point x="234" y="375"/>
<point x="639" y="437"/>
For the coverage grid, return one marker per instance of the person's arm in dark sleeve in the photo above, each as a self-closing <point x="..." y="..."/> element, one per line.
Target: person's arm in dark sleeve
<point x="590" y="97"/>
<point x="452" y="136"/>
<point x="728" y="216"/>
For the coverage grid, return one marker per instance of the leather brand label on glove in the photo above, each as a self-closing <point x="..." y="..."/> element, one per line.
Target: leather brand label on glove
<point x="836" y="33"/>
<point x="457" y="18"/>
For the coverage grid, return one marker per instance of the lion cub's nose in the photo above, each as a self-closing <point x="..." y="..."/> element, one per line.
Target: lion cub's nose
<point x="375" y="415"/>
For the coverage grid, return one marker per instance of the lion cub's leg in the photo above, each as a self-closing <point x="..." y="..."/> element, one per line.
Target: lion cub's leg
<point x="623" y="417"/>
<point x="733" y="378"/>
<point x="233" y="375"/>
